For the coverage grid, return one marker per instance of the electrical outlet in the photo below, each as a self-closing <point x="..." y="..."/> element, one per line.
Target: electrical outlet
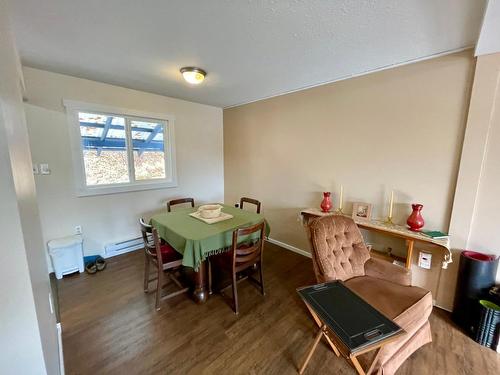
<point x="424" y="260"/>
<point x="78" y="229"/>
<point x="35" y="169"/>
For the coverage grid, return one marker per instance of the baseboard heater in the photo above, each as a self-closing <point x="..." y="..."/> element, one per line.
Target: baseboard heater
<point x="122" y="247"/>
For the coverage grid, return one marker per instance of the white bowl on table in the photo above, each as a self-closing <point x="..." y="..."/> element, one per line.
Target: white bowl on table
<point x="210" y="211"/>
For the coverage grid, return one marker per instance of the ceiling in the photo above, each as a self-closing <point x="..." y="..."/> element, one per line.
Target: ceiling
<point x="251" y="49"/>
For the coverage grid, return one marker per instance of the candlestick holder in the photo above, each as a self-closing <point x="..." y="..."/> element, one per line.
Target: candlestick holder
<point x="389" y="221"/>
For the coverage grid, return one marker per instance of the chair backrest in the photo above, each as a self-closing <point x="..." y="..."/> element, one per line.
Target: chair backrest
<point x="179" y="201"/>
<point x="147" y="234"/>
<point x="248" y="253"/>
<point x="338" y="249"/>
<point x="151" y="240"/>
<point x="252" y="201"/>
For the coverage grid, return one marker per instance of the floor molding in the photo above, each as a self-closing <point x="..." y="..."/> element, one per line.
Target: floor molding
<point x="441" y="307"/>
<point x="289" y="247"/>
<point x="60" y="347"/>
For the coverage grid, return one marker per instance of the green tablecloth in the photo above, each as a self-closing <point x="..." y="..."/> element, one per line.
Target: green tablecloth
<point x="197" y="240"/>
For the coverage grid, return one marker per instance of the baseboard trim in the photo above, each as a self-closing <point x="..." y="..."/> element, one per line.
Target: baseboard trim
<point x="60" y="347"/>
<point x="121" y="252"/>
<point x="289" y="247"/>
<point x="441" y="307"/>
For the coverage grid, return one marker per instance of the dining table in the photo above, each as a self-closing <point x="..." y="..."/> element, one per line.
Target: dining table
<point x="197" y="240"/>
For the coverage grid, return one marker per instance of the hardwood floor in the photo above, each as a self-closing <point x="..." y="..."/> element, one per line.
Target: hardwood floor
<point x="111" y="327"/>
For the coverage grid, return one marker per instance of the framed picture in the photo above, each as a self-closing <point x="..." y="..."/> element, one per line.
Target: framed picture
<point x="361" y="211"/>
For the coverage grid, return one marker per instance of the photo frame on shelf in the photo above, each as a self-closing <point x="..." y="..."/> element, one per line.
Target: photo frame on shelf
<point x="362" y="211"/>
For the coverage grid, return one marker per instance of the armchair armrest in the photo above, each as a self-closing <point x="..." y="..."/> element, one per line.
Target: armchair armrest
<point x="384" y="270"/>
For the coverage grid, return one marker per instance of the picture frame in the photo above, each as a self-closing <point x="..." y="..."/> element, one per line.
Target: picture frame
<point x="362" y="211"/>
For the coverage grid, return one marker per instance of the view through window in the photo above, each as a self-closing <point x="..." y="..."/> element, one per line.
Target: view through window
<point x="121" y="149"/>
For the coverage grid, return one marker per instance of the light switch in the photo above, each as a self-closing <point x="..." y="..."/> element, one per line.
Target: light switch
<point x="44" y="169"/>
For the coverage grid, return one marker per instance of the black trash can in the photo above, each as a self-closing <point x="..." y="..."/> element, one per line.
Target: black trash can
<point x="489" y="324"/>
<point x="476" y="275"/>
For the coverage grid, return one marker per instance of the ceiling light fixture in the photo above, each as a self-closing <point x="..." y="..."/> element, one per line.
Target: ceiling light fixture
<point x="193" y="75"/>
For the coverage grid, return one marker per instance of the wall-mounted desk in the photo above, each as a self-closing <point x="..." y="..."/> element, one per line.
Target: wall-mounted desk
<point x="393" y="230"/>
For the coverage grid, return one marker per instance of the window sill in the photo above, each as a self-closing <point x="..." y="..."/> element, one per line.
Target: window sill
<point x="125" y="188"/>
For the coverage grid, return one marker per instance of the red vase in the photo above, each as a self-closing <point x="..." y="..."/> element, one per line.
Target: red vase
<point x="326" y="203"/>
<point x="415" y="220"/>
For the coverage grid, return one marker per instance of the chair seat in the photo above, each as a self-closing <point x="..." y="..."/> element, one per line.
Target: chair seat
<point x="394" y="300"/>
<point x="408" y="306"/>
<point x="169" y="254"/>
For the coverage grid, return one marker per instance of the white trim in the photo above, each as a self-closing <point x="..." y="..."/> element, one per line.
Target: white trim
<point x="106" y="255"/>
<point x="343" y="78"/>
<point x="130" y="150"/>
<point x="60" y="346"/>
<point x="75" y="105"/>
<point x="81" y="189"/>
<point x="289" y="247"/>
<point x="441" y="307"/>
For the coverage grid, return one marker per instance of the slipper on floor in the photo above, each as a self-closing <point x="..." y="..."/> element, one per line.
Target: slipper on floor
<point x="91" y="268"/>
<point x="100" y="263"/>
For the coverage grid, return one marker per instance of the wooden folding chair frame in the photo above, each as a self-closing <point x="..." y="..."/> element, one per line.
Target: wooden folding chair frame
<point x="339" y="348"/>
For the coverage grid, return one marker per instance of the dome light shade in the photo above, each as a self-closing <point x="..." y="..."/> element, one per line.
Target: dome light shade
<point x="193" y="75"/>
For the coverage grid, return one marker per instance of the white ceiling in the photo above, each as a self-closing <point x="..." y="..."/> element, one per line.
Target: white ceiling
<point x="250" y="49"/>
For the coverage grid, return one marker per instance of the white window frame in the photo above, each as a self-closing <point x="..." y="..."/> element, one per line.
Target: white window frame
<point x="81" y="187"/>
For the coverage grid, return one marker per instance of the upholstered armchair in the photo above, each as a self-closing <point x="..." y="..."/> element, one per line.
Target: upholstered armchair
<point x="339" y="253"/>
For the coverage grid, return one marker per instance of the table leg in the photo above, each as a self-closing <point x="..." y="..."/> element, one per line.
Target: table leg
<point x="357" y="365"/>
<point x="200" y="290"/>
<point x="311" y="351"/>
<point x="409" y="253"/>
<point x="318" y="322"/>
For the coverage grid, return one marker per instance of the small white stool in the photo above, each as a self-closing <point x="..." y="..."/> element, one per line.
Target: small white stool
<point x="66" y="255"/>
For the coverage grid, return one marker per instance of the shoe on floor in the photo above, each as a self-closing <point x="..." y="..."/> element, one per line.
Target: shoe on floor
<point x="100" y="263"/>
<point x="90" y="268"/>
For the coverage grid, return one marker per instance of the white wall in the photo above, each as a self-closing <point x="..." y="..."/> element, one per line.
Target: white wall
<point x="484" y="234"/>
<point x="109" y="218"/>
<point x="476" y="207"/>
<point x="28" y="341"/>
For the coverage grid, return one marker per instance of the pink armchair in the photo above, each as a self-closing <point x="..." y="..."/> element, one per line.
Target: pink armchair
<point x="339" y="253"/>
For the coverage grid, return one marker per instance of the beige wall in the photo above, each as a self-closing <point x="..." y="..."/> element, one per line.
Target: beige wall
<point x="399" y="129"/>
<point x="114" y="217"/>
<point x="28" y="340"/>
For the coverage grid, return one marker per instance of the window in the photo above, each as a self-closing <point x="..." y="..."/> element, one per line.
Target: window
<point x="117" y="150"/>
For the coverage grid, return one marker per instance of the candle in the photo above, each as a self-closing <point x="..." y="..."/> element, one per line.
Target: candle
<point x="391" y="204"/>
<point x="341" y="199"/>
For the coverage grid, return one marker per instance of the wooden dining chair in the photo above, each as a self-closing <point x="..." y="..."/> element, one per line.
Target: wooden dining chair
<point x="252" y="201"/>
<point x="179" y="201"/>
<point x="166" y="260"/>
<point x="240" y="258"/>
